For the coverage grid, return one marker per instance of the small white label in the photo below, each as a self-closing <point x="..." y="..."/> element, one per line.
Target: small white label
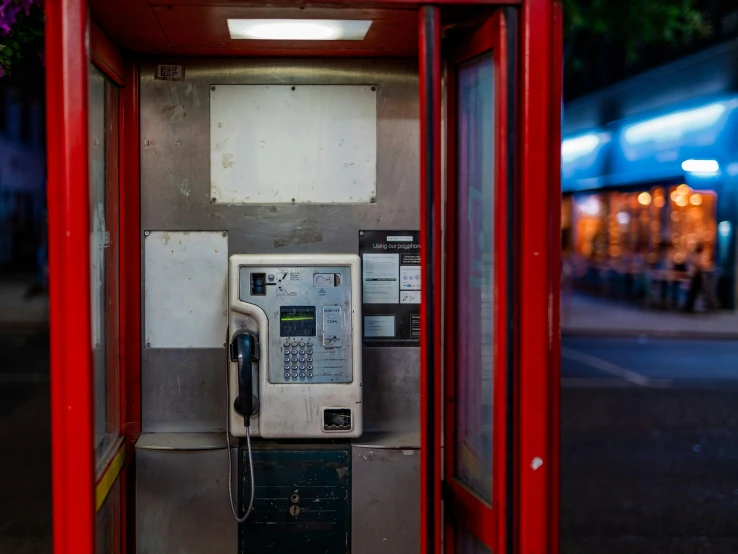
<point x="410" y="277"/>
<point x="170" y="72"/>
<point x="379" y="326"/>
<point x="399" y="238"/>
<point x="381" y="272"/>
<point x="410" y="297"/>
<point x="326" y="280"/>
<point x="332" y="328"/>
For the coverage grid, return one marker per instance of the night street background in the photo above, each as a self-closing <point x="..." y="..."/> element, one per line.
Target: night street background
<point x="649" y="457"/>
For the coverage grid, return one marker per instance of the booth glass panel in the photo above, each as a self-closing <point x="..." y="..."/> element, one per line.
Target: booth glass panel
<point x="467" y="543"/>
<point x="104" y="261"/>
<point x="475" y="264"/>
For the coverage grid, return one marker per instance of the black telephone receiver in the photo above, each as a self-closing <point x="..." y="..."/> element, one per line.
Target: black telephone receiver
<point x="245" y="351"/>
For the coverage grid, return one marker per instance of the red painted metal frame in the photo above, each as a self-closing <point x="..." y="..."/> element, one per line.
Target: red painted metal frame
<point x="554" y="234"/>
<point x="73" y="458"/>
<point x="485" y="521"/>
<point x="429" y="50"/>
<point x="352" y="3"/>
<point x="109" y="60"/>
<point x="130" y="292"/>
<point x="106" y="56"/>
<point x="537" y="428"/>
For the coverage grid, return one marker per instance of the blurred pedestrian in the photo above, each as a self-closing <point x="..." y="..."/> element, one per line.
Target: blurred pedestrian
<point x="697" y="266"/>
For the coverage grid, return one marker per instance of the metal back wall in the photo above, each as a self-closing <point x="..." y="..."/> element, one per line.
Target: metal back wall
<point x="183" y="389"/>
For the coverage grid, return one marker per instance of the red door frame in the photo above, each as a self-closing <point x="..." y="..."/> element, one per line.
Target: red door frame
<point x="429" y="58"/>
<point x="72" y="454"/>
<point x="486" y="521"/>
<point x="73" y="458"/>
<point x="531" y="442"/>
<point x="539" y="267"/>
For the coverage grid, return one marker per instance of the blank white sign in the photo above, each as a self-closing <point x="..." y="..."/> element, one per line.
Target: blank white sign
<point x="284" y="143"/>
<point x="186" y="289"/>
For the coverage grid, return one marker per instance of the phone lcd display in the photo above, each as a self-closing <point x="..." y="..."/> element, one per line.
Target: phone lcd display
<point x="297" y="321"/>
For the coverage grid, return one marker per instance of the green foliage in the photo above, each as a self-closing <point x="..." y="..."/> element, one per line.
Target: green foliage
<point x="634" y="23"/>
<point x="22" y="37"/>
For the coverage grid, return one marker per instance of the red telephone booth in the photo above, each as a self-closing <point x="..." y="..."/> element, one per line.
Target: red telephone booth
<point x="457" y="124"/>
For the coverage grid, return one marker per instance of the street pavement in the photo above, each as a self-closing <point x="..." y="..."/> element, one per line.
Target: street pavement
<point x="649" y="446"/>
<point x="583" y="315"/>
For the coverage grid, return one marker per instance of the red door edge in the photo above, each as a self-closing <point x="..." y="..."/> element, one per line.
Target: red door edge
<point x="72" y="453"/>
<point x="429" y="57"/>
<point x="537" y="423"/>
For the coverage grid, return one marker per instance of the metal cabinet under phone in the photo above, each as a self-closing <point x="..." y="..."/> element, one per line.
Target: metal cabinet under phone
<point x="301" y="500"/>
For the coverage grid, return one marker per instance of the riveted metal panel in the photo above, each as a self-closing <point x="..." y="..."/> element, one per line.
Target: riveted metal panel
<point x="175" y="196"/>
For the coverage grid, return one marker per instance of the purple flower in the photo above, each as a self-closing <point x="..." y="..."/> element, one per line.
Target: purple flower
<point x="8" y="13"/>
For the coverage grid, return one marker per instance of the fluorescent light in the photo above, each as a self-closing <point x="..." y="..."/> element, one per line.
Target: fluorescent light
<point x="701" y="166"/>
<point x="577" y="147"/>
<point x="298" y="29"/>
<point x="724" y="229"/>
<point x="675" y="125"/>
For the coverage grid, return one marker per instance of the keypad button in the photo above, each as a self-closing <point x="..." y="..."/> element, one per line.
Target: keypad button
<point x="309" y="344"/>
<point x="294" y="343"/>
<point x="294" y="375"/>
<point x="302" y="344"/>
<point x="287" y="375"/>
<point x="310" y="352"/>
<point x="310" y="375"/>
<point x="302" y="375"/>
<point x="310" y="359"/>
<point x="302" y="368"/>
<point x="302" y="359"/>
<point x="294" y="366"/>
<point x="302" y="352"/>
<point x="286" y="367"/>
<point x="286" y="358"/>
<point x="310" y="368"/>
<point x="294" y="352"/>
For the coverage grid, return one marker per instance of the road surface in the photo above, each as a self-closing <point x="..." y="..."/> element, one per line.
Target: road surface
<point x="649" y="446"/>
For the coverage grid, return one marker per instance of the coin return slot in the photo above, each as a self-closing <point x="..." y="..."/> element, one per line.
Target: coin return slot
<point x="337" y="419"/>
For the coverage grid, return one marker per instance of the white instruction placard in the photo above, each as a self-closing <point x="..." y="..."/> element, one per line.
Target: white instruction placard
<point x="379" y="326"/>
<point x="380" y="276"/>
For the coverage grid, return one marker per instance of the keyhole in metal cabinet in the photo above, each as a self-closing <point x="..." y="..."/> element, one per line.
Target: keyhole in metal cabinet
<point x="295" y="498"/>
<point x="295" y="510"/>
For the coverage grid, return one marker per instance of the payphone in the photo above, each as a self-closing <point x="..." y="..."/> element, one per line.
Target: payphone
<point x="294" y="327"/>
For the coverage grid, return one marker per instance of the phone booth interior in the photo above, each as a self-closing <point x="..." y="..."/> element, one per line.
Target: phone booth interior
<point x="227" y="159"/>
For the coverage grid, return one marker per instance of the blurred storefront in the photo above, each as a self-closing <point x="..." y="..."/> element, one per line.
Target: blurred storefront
<point x="650" y="171"/>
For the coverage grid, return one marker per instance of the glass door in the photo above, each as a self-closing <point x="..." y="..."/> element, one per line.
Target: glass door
<point x="478" y="244"/>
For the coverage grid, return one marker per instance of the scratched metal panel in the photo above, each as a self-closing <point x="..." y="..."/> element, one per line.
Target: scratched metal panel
<point x="182" y="502"/>
<point x="283" y="143"/>
<point x="385" y="493"/>
<point x="175" y="195"/>
<point x="391" y="389"/>
<point x="184" y="390"/>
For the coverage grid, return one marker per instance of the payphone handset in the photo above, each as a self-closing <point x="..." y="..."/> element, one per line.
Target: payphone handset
<point x="295" y="346"/>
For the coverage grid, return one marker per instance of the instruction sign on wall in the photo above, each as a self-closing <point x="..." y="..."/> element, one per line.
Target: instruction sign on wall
<point x="391" y="286"/>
